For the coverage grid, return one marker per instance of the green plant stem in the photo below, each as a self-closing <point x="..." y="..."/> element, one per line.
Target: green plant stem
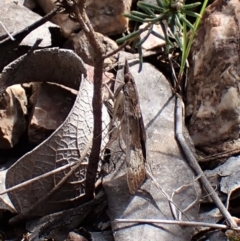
<point x="189" y="44"/>
<point x="184" y="53"/>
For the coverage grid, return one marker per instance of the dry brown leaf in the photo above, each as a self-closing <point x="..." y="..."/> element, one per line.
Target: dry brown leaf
<point x="65" y="145"/>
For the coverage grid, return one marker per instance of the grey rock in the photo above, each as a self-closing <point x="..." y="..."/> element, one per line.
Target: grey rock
<point x="213" y="103"/>
<point x="19" y="17"/>
<point x="165" y="160"/>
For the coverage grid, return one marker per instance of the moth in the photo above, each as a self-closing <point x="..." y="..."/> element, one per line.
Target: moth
<point x="133" y="131"/>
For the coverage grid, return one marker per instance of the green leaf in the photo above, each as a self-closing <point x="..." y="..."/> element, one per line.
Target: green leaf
<point x="184" y="20"/>
<point x="160" y="4"/>
<point x="145" y="38"/>
<point x="167" y="3"/>
<point x="176" y="32"/>
<point x="158" y="35"/>
<point x="159" y="17"/>
<point x="139" y="14"/>
<point x="151" y="6"/>
<point x="146" y="10"/>
<point x="178" y="40"/>
<point x="177" y="22"/>
<point x="168" y="42"/>
<point x="134" y="18"/>
<point x="192" y="5"/>
<point x="131" y="37"/>
<point x="192" y="14"/>
<point x="170" y="19"/>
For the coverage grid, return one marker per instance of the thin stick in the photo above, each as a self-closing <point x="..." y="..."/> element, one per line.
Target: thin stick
<point x="149" y="175"/>
<point x="225" y="154"/>
<point x="8" y="33"/>
<point x="194" y="164"/>
<point x="174" y="222"/>
<point x="81" y="15"/>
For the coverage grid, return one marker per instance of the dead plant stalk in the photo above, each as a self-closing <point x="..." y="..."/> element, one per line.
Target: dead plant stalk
<point x="194" y="164"/>
<point x="174" y="222"/>
<point x="79" y="9"/>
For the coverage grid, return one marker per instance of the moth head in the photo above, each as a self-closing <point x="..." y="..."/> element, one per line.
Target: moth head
<point x="127" y="75"/>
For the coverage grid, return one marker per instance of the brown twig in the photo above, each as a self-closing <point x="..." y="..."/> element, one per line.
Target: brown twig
<point x="225" y="154"/>
<point x="174" y="222"/>
<point x="81" y="16"/>
<point x="194" y="164"/>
